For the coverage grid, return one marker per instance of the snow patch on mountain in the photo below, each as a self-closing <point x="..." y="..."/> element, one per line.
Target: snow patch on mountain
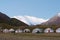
<point x="58" y="14"/>
<point x="30" y="20"/>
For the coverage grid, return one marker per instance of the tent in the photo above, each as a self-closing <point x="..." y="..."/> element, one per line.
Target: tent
<point x="58" y="30"/>
<point x="48" y="30"/>
<point x="37" y="30"/>
<point x="26" y="30"/>
<point x="18" y="31"/>
<point x="5" y="30"/>
<point x="11" y="30"/>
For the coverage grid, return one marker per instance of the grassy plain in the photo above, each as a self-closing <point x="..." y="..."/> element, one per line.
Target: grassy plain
<point x="29" y="36"/>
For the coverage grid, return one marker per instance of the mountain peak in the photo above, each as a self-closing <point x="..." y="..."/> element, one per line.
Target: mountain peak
<point x="54" y="20"/>
<point x="58" y="14"/>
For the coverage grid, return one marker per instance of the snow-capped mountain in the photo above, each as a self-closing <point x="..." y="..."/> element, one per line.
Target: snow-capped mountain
<point x="30" y="20"/>
<point x="54" y="20"/>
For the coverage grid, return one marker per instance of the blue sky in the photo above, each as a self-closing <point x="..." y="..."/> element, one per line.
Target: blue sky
<point x="38" y="8"/>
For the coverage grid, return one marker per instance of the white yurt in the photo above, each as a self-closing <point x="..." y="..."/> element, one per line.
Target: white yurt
<point x="11" y="30"/>
<point x="5" y="30"/>
<point x="37" y="30"/>
<point x="58" y="30"/>
<point x="26" y="30"/>
<point x="48" y="30"/>
<point x="18" y="31"/>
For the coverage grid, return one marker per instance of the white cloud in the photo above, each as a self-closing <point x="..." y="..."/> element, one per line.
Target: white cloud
<point x="30" y="19"/>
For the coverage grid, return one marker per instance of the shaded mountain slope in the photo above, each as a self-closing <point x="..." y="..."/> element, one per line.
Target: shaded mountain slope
<point x="7" y="22"/>
<point x="4" y="18"/>
<point x="15" y="22"/>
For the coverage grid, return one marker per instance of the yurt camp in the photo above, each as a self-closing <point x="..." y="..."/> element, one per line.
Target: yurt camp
<point x="48" y="30"/>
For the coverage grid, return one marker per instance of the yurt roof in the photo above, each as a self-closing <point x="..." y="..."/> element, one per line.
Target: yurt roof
<point x="26" y="29"/>
<point x="11" y="29"/>
<point x="48" y="29"/>
<point x="37" y="29"/>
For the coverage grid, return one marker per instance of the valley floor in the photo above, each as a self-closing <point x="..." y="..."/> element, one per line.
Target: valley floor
<point x="29" y="36"/>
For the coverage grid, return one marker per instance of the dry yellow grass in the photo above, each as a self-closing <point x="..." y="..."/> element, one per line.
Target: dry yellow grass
<point x="29" y="36"/>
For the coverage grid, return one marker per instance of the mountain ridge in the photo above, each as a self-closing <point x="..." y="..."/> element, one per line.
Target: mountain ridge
<point x="55" y="20"/>
<point x="7" y="22"/>
<point x="30" y="20"/>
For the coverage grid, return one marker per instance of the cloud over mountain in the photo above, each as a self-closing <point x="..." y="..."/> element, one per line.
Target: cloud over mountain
<point x="30" y="20"/>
